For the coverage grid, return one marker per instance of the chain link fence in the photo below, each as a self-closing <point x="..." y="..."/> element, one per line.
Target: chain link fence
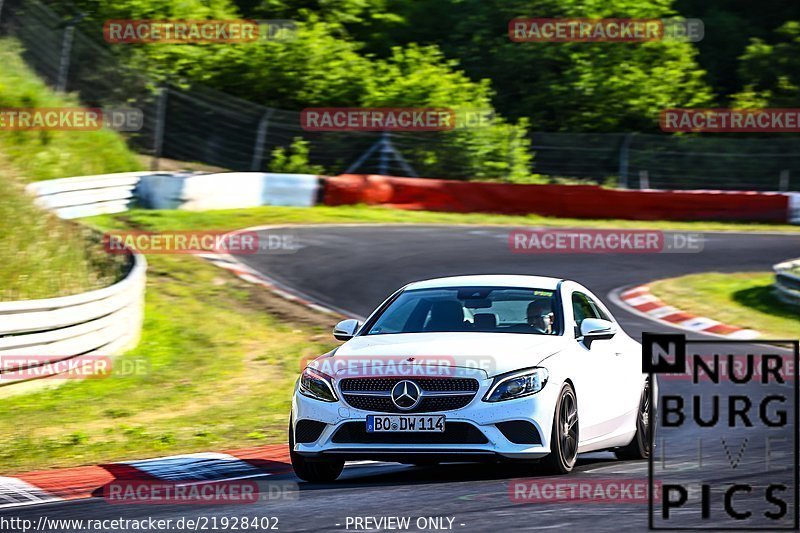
<point x="637" y="160"/>
<point x="199" y="124"/>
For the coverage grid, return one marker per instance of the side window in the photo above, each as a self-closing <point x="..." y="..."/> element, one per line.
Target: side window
<point x="582" y="308"/>
<point x="599" y="313"/>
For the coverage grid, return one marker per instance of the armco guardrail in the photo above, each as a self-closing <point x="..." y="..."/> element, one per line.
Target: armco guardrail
<point x="193" y="191"/>
<point x="787" y="281"/>
<point x="87" y="196"/>
<point x="34" y="334"/>
<point x="103" y="322"/>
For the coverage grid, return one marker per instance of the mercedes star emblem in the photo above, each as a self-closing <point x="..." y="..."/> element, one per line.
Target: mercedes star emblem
<point x="406" y="395"/>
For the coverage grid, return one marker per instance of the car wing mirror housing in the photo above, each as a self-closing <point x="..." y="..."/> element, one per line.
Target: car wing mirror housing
<point x="346" y="329"/>
<point x="595" y="329"/>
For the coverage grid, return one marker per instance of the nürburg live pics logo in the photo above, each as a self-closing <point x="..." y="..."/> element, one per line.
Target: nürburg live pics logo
<point x="725" y="445"/>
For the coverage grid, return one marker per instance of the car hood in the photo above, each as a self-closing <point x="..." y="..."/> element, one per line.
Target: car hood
<point x="487" y="354"/>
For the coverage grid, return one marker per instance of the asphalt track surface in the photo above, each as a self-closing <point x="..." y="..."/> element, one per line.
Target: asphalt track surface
<point x="355" y="268"/>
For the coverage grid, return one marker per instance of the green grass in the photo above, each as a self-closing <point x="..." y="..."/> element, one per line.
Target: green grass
<point x="42" y="256"/>
<point x="742" y="299"/>
<point x="220" y="371"/>
<point x="156" y="220"/>
<point x="39" y="155"/>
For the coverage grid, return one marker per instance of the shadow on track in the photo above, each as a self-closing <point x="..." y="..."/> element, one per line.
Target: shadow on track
<point x="382" y="476"/>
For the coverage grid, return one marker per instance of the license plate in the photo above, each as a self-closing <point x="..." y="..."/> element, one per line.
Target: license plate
<point x="405" y="423"/>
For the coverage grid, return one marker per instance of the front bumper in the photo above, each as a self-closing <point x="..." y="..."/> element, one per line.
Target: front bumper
<point x="475" y="437"/>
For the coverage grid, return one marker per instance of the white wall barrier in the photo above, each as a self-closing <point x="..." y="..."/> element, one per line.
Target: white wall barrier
<point x="193" y="191"/>
<point x="103" y="322"/>
<point x="787" y="281"/>
<point x="794" y="207"/>
<point x="36" y="334"/>
<point x="227" y="190"/>
<point x="106" y="322"/>
<point x="87" y="196"/>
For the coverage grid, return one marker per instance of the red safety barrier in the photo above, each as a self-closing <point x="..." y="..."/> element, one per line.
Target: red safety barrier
<point x="569" y="201"/>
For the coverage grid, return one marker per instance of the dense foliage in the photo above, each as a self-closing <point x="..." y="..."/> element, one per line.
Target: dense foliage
<point x="456" y="53"/>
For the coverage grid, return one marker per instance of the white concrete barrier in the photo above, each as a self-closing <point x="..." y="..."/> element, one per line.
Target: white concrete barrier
<point x="103" y="322"/>
<point x="227" y="190"/>
<point x="787" y="281"/>
<point x="794" y="208"/>
<point x="300" y="190"/>
<point x="87" y="196"/>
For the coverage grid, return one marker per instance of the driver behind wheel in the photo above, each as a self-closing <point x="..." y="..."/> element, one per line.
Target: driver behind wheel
<point x="540" y="315"/>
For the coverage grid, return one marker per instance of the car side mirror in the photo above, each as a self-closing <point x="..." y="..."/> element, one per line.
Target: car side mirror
<point x="595" y="329"/>
<point x="346" y="329"/>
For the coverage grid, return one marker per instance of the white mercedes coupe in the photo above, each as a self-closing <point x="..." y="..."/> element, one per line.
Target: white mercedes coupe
<point x="474" y="368"/>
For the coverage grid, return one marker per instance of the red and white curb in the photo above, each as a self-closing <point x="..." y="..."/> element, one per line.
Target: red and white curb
<point x="88" y="481"/>
<point x="641" y="301"/>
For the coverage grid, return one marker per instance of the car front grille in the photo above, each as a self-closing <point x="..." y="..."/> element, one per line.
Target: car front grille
<point x="454" y="433"/>
<point x="438" y="394"/>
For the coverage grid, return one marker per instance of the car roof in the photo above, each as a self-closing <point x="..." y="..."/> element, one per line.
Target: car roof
<point x="490" y="280"/>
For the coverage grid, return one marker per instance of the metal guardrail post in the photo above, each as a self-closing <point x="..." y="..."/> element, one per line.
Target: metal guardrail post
<point x="261" y="136"/>
<point x="624" y="159"/>
<point x="158" y="136"/>
<point x="66" y="52"/>
<point x="784" y="181"/>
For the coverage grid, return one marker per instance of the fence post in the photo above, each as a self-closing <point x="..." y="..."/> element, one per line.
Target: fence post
<point x="644" y="180"/>
<point x="261" y="136"/>
<point x="784" y="181"/>
<point x="63" y="63"/>
<point x="386" y="149"/>
<point x="158" y="135"/>
<point x="624" y="154"/>
<point x="66" y="51"/>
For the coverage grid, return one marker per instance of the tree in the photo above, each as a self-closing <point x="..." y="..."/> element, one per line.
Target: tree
<point x="772" y="71"/>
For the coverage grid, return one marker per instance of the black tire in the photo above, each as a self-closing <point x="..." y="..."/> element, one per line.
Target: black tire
<point x="639" y="448"/>
<point x="313" y="470"/>
<point x="565" y="434"/>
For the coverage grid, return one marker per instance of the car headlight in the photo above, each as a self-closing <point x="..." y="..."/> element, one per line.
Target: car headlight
<point x="517" y="385"/>
<point x="317" y="385"/>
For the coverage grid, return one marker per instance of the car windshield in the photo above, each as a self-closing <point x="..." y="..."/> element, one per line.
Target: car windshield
<point x="462" y="309"/>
